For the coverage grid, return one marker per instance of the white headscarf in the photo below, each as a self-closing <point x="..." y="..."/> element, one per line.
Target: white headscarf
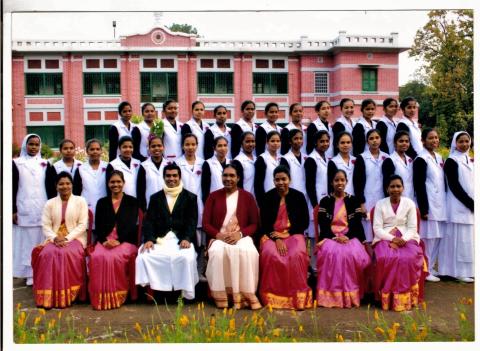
<point x="453" y="146"/>
<point x="23" y="150"/>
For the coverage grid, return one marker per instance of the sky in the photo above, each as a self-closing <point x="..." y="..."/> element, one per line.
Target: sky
<point x="275" y="25"/>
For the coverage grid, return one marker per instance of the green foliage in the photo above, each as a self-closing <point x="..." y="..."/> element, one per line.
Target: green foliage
<point x="423" y="93"/>
<point x="157" y="127"/>
<point x="136" y="119"/>
<point x="46" y="151"/>
<point x="445" y="43"/>
<point x="183" y="28"/>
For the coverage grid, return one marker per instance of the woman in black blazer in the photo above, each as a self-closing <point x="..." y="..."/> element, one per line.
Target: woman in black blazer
<point x="112" y="259"/>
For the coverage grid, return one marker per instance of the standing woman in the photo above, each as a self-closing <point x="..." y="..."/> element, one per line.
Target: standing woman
<point x="172" y="132"/>
<point x="32" y="185"/>
<point x="399" y="257"/>
<point x="456" y="252"/>
<point x="341" y="257"/>
<point x="191" y="167"/>
<point x="67" y="163"/>
<point x="271" y="114"/>
<point x="244" y="124"/>
<point x="265" y="165"/>
<point x="89" y="179"/>
<point x="367" y="179"/>
<point x="127" y="165"/>
<point x="387" y="126"/>
<point x="429" y="184"/>
<point x="245" y="162"/>
<point x="149" y="115"/>
<point x="112" y="260"/>
<point x="219" y="128"/>
<point x="363" y="125"/>
<point x="212" y="168"/>
<point x="324" y="112"/>
<point x="316" y="182"/>
<point x="59" y="264"/>
<point x="344" y="123"/>
<point x="294" y="159"/>
<point x="123" y="127"/>
<point x="343" y="160"/>
<point x="401" y="164"/>
<point x="296" y="114"/>
<point x="230" y="220"/>
<point x="197" y="127"/>
<point x="409" y="109"/>
<point x="283" y="253"/>
<point x="150" y="172"/>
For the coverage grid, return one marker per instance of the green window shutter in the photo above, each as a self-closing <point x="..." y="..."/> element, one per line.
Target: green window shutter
<point x="158" y="86"/>
<point x="369" y="80"/>
<point x="215" y="82"/>
<point x="270" y="83"/>
<point x="51" y="135"/>
<point x="101" y="83"/>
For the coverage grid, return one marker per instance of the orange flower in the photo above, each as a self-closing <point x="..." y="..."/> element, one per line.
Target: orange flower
<point x="463" y="317"/>
<point x="41" y="311"/>
<point x="183" y="321"/>
<point x="138" y="327"/>
<point x="42" y="337"/>
<point x="339" y="338"/>
<point x="158" y="338"/>
<point x="37" y="320"/>
<point x="276" y="332"/>
<point x="375" y="315"/>
<point x="379" y="330"/>
<point x="231" y="324"/>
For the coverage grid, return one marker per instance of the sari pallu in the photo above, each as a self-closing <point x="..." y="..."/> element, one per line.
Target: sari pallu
<point x="59" y="274"/>
<point x="341" y="267"/>
<point x="283" y="279"/>
<point x="112" y="272"/>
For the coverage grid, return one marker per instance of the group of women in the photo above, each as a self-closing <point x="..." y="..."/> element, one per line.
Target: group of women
<point x="352" y="201"/>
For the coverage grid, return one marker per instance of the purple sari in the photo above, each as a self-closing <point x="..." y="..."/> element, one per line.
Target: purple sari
<point x="340" y="267"/>
<point x="283" y="279"/>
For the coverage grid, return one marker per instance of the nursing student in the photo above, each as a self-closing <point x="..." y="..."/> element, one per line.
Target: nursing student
<point x="324" y="112"/>
<point x="172" y="132"/>
<point x="363" y="125"/>
<point x="149" y="115"/>
<point x="196" y="126"/>
<point x="409" y="110"/>
<point x="219" y="128"/>
<point x="265" y="165"/>
<point x="345" y="122"/>
<point x="67" y="163"/>
<point x="343" y="160"/>
<point x="245" y="162"/>
<point x="429" y="184"/>
<point x="244" y="124"/>
<point x="123" y="126"/>
<point x="387" y="125"/>
<point x="271" y="114"/>
<point x="212" y="168"/>
<point x="296" y="114"/>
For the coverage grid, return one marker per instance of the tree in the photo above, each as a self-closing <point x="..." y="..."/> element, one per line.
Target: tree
<point x="423" y="94"/>
<point x="183" y="28"/>
<point x="445" y="44"/>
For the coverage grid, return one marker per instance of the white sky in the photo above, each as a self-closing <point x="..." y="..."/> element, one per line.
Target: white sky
<point x="218" y="25"/>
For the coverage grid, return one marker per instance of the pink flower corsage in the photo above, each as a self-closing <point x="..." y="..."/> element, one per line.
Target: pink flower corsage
<point x="442" y="164"/>
<point x="43" y="164"/>
<point x="199" y="172"/>
<point x="103" y="169"/>
<point x="135" y="165"/>
<point x="410" y="160"/>
<point x="384" y="158"/>
<point x="471" y="160"/>
<point x="353" y="162"/>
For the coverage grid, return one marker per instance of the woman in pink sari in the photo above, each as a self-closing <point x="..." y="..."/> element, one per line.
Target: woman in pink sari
<point x="399" y="258"/>
<point x="283" y="253"/>
<point x="341" y="257"/>
<point x="59" y="264"/>
<point x="112" y="260"/>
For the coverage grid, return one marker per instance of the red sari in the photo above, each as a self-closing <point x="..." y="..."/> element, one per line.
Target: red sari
<point x="283" y="279"/>
<point x="58" y="272"/>
<point x="112" y="272"/>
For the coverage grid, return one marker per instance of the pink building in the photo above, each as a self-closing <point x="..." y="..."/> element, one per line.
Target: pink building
<point x="71" y="89"/>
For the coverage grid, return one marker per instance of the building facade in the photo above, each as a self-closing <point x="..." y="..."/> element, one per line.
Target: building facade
<point x="71" y="89"/>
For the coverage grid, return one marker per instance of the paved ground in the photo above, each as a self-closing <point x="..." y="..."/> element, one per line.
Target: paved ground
<point x="440" y="297"/>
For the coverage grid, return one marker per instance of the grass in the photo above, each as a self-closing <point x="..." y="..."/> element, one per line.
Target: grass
<point x="197" y="326"/>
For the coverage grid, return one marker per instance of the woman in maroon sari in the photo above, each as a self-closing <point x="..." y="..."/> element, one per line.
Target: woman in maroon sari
<point x="283" y="253"/>
<point x="112" y="260"/>
<point x="341" y="257"/>
<point x="399" y="258"/>
<point x="59" y="264"/>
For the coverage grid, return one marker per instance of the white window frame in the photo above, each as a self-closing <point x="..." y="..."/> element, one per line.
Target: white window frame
<point x="101" y="69"/>
<point x="315" y="82"/>
<point x="215" y="63"/>
<point x="43" y="68"/>
<point x="158" y="68"/>
<point x="270" y="68"/>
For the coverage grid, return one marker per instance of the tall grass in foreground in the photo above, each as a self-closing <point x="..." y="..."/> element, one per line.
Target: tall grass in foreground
<point x="198" y="326"/>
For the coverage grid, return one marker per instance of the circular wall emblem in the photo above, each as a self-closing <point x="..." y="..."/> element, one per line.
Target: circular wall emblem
<point x="158" y="37"/>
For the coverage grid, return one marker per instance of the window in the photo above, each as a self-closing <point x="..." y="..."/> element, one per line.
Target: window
<point x="270" y="83"/>
<point x="158" y="86"/>
<point x="43" y="83"/>
<point x="215" y="75"/>
<point x="321" y="82"/>
<point x="50" y="135"/>
<point x="215" y="82"/>
<point x="99" y="132"/>
<point x="101" y="83"/>
<point x="369" y="79"/>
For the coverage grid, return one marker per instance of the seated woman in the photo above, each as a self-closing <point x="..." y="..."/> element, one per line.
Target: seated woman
<point x="283" y="253"/>
<point x="341" y="258"/>
<point x="112" y="260"/>
<point x="399" y="258"/>
<point x="59" y="264"/>
<point x="230" y="218"/>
